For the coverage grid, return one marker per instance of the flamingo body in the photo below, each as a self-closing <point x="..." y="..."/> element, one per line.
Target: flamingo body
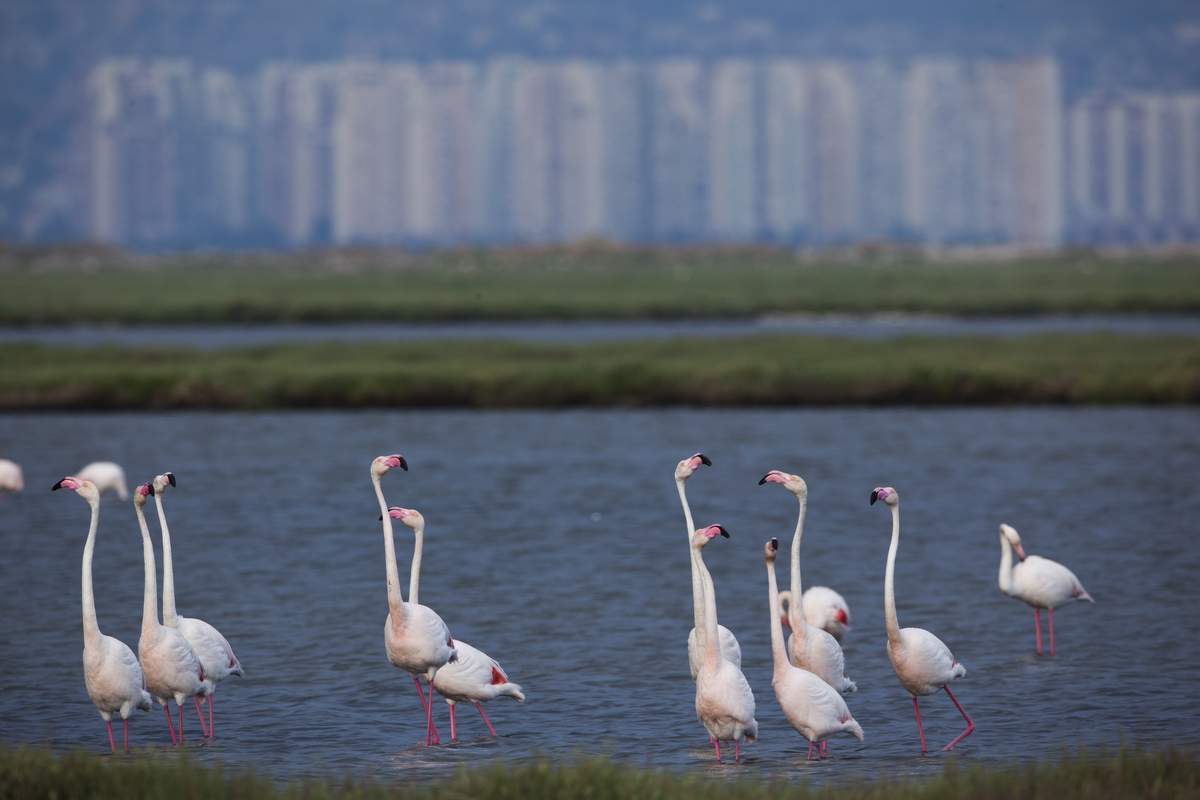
<point x="214" y="651"/>
<point x="819" y="653"/>
<point x="108" y="476"/>
<point x="1043" y="583"/>
<point x="420" y="643"/>
<point x="725" y="703"/>
<point x="113" y="678"/>
<point x="731" y="651"/>
<point x="923" y="663"/>
<point x="11" y="477"/>
<point x="475" y="677"/>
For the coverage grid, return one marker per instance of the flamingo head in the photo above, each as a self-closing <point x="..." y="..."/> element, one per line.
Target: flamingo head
<point x="161" y="482"/>
<point x="770" y="549"/>
<point x="793" y="483"/>
<point x="703" y="536"/>
<point x="141" y="493"/>
<point x="887" y="494"/>
<point x="382" y="464"/>
<point x="685" y="468"/>
<point x="409" y="516"/>
<point x="1009" y="534"/>
<point x="836" y="620"/>
<point x="82" y="487"/>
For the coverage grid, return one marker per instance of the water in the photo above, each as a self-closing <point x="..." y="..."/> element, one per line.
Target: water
<point x="879" y="326"/>
<point x="555" y="543"/>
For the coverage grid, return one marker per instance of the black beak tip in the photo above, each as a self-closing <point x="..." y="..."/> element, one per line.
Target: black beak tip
<point x="705" y="460"/>
<point x="56" y="486"/>
<point x="171" y="478"/>
<point x="724" y="532"/>
<point x="403" y="464"/>
<point x="874" y="497"/>
<point x="763" y="479"/>
<point x="774" y="544"/>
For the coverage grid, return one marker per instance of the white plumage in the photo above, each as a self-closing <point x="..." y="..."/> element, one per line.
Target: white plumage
<point x="107" y="476"/>
<point x="11" y="477"/>
<point x="1038" y="582"/>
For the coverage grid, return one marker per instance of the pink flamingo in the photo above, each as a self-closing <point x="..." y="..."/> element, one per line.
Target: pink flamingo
<point x="921" y="660"/>
<point x="1039" y="582"/>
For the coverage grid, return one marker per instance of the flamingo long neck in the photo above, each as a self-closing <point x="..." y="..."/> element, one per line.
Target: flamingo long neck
<point x="91" y="628"/>
<point x="697" y="588"/>
<point x="395" y="601"/>
<point x="795" y="604"/>
<point x="414" y="572"/>
<point x="1006" y="555"/>
<point x="169" y="615"/>
<point x="779" y="657"/>
<point x="712" y="648"/>
<point x="889" y="582"/>
<point x="150" y="592"/>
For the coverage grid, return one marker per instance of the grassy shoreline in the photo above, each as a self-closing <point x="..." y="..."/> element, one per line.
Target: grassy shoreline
<point x="573" y="283"/>
<point x="752" y="371"/>
<point x="1163" y="775"/>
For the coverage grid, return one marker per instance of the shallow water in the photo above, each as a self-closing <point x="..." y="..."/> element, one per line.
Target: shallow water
<point x="555" y="543"/>
<point x="879" y="326"/>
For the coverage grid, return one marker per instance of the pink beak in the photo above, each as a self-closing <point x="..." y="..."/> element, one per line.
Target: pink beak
<point x="1020" y="551"/>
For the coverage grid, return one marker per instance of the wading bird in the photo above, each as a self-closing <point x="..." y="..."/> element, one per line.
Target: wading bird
<point x="823" y="608"/>
<point x="11" y="477"/>
<point x="921" y="660"/>
<point x="111" y="671"/>
<point x="724" y="702"/>
<point x="810" y="648"/>
<point x="1039" y="582"/>
<point x="810" y="704"/>
<point x="474" y="677"/>
<point x="168" y="661"/>
<point x="107" y="476"/>
<point x="215" y="654"/>
<point x="414" y="636"/>
<point x="730" y="649"/>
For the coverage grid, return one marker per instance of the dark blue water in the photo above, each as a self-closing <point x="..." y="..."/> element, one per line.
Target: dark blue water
<point x="555" y="543"/>
<point x="880" y="326"/>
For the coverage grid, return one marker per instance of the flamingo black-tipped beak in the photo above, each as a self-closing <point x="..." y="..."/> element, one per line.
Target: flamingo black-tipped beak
<point x="774" y="545"/>
<point x="874" y="496"/>
<point x="56" y="486"/>
<point x="724" y="532"/>
<point x="403" y="463"/>
<point x="763" y="479"/>
<point x="171" y="478"/>
<point x="705" y="460"/>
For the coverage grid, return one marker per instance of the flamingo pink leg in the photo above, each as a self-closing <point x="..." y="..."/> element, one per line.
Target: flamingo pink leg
<point x="170" y="724"/>
<point x="453" y="731"/>
<point x="920" y="730"/>
<point x="180" y="722"/>
<point x="212" y="728"/>
<point x="737" y="750"/>
<point x="1050" y="614"/>
<point x="1037" y="627"/>
<point x="428" y="712"/>
<point x="486" y="721"/>
<point x="200" y="716"/>
<point x="824" y="748"/>
<point x="125" y="725"/>
<point x="810" y="749"/>
<point x="717" y="745"/>
<point x="111" y="744"/>
<point x="970" y="725"/>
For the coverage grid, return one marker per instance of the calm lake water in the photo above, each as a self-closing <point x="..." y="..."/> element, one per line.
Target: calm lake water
<point x="880" y="326"/>
<point x="555" y="543"/>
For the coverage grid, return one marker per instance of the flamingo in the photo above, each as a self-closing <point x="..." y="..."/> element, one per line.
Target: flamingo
<point x="414" y="636"/>
<point x="921" y="660"/>
<point x="168" y="661"/>
<point x="730" y="648"/>
<point x="810" y="648"/>
<point x="823" y="608"/>
<point x="215" y="654"/>
<point x="810" y="704"/>
<point x="1039" y="582"/>
<point x="724" y="701"/>
<point x="475" y="677"/>
<point x="106" y="475"/>
<point x="111" y="671"/>
<point x="11" y="477"/>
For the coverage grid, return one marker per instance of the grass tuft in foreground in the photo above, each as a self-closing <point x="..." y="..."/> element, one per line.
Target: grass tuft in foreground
<point x="1161" y="775"/>
<point x="751" y="371"/>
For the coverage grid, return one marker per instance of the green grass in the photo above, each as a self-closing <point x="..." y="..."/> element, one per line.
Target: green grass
<point x="1162" y="775"/>
<point x="568" y="283"/>
<point x="760" y="370"/>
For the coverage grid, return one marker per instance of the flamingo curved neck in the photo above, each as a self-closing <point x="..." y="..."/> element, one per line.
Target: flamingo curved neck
<point x="91" y="628"/>
<point x="795" y="606"/>
<point x="712" y="649"/>
<point x="395" y="601"/>
<point x="889" y="582"/>
<point x="779" y="659"/>
<point x="150" y="592"/>
<point x="414" y="572"/>
<point x="169" y="614"/>
<point x="1006" y="555"/>
<point x="697" y="589"/>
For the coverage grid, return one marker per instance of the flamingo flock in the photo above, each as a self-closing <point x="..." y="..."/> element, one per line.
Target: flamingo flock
<point x="184" y="658"/>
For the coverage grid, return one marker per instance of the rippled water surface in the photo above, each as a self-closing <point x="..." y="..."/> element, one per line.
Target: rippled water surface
<point x="555" y="543"/>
